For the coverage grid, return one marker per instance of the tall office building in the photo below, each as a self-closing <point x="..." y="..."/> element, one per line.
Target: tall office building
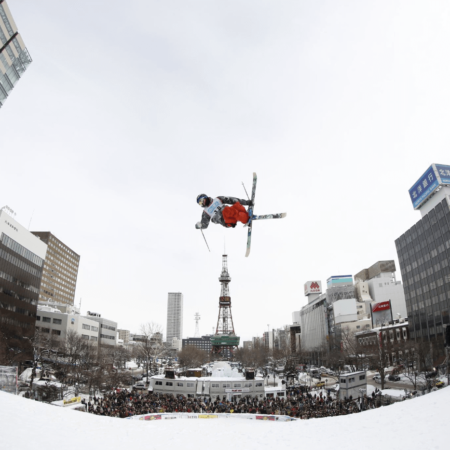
<point x="174" y="316"/>
<point x="424" y="256"/>
<point x="22" y="258"/>
<point x="14" y="56"/>
<point x="60" y="274"/>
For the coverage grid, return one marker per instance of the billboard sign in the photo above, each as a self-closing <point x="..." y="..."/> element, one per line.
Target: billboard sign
<point x="424" y="187"/>
<point x="436" y="175"/>
<point x="313" y="287"/>
<point x="381" y="313"/>
<point x="444" y="173"/>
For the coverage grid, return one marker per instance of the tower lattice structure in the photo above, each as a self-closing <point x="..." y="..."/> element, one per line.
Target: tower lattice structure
<point x="197" y="331"/>
<point x="225" y="340"/>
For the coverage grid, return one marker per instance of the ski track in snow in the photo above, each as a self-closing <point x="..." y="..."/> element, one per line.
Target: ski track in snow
<point x="414" y="424"/>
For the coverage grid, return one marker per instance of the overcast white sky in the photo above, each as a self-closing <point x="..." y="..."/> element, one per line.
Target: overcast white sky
<point x="131" y="109"/>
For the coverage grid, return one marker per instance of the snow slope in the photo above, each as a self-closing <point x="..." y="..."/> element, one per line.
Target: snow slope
<point x="413" y="424"/>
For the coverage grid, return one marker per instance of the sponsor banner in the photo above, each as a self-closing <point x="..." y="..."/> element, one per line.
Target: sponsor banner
<point x="313" y="287"/>
<point x="72" y="401"/>
<point x="424" y="187"/>
<point x="152" y="417"/>
<point x="168" y="416"/>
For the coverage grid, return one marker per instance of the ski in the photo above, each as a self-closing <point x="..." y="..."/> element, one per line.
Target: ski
<point x="269" y="216"/>
<point x="250" y="214"/>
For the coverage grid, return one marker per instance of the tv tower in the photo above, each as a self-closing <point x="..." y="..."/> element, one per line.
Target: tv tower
<point x="197" y="318"/>
<point x="225" y="339"/>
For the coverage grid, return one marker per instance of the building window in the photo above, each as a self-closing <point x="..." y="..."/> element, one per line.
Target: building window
<point x="56" y="332"/>
<point x="169" y="383"/>
<point x="85" y="336"/>
<point x="215" y="385"/>
<point x="86" y="327"/>
<point x="190" y="385"/>
<point x="57" y="321"/>
<point x="237" y="385"/>
<point x="362" y="377"/>
<point x="94" y="328"/>
<point x="158" y="383"/>
<point x="179" y="384"/>
<point x="46" y="319"/>
<point x="247" y="385"/>
<point x="343" y="380"/>
<point x="38" y="317"/>
<point x="226" y="385"/>
<point x="258" y="384"/>
<point x="45" y="330"/>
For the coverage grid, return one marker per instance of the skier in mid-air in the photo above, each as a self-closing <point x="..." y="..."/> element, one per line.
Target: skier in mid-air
<point x="215" y="210"/>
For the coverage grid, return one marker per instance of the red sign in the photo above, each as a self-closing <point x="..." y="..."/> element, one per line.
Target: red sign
<point x="383" y="306"/>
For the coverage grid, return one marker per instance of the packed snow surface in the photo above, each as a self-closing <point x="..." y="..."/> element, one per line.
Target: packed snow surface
<point x="413" y="424"/>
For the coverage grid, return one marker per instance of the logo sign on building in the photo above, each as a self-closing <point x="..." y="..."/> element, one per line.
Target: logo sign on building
<point x="381" y="313"/>
<point x="444" y="173"/>
<point x="436" y="175"/>
<point x="313" y="287"/>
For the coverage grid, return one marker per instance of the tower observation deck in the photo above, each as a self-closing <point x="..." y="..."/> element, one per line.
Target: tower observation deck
<point x="225" y="340"/>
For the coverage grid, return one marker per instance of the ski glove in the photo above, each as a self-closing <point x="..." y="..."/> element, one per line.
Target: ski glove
<point x="198" y="225"/>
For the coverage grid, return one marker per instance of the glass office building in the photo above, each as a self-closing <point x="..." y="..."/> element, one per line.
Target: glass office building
<point x="14" y="56"/>
<point x="424" y="256"/>
<point x="22" y="258"/>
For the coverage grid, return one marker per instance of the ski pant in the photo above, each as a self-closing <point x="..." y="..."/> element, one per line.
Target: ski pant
<point x="235" y="213"/>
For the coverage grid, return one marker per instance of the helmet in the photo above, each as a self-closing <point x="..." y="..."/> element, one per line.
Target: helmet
<point x="200" y="198"/>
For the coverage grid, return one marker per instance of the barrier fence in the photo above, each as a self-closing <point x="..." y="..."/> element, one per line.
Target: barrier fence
<point x="165" y="416"/>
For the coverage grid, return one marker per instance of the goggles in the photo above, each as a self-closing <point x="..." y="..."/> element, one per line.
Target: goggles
<point x="202" y="201"/>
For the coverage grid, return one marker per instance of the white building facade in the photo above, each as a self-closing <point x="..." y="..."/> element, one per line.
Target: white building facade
<point x="174" y="316"/>
<point x="107" y="328"/>
<point x="53" y="322"/>
<point x="384" y="287"/>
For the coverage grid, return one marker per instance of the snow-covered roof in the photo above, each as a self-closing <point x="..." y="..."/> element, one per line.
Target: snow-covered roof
<point x="227" y="379"/>
<point x="48" y="309"/>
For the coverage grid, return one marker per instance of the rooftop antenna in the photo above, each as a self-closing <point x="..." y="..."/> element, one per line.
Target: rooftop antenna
<point x="197" y="318"/>
<point x="31" y="218"/>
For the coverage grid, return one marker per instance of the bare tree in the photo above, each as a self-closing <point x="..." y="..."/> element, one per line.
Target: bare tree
<point x="256" y="357"/>
<point x="418" y="358"/>
<point x="380" y="355"/>
<point x="45" y="347"/>
<point x="353" y="351"/>
<point x="192" y="356"/>
<point x="150" y="345"/>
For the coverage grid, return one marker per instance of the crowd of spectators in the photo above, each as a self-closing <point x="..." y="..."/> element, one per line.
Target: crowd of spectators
<point x="299" y="403"/>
